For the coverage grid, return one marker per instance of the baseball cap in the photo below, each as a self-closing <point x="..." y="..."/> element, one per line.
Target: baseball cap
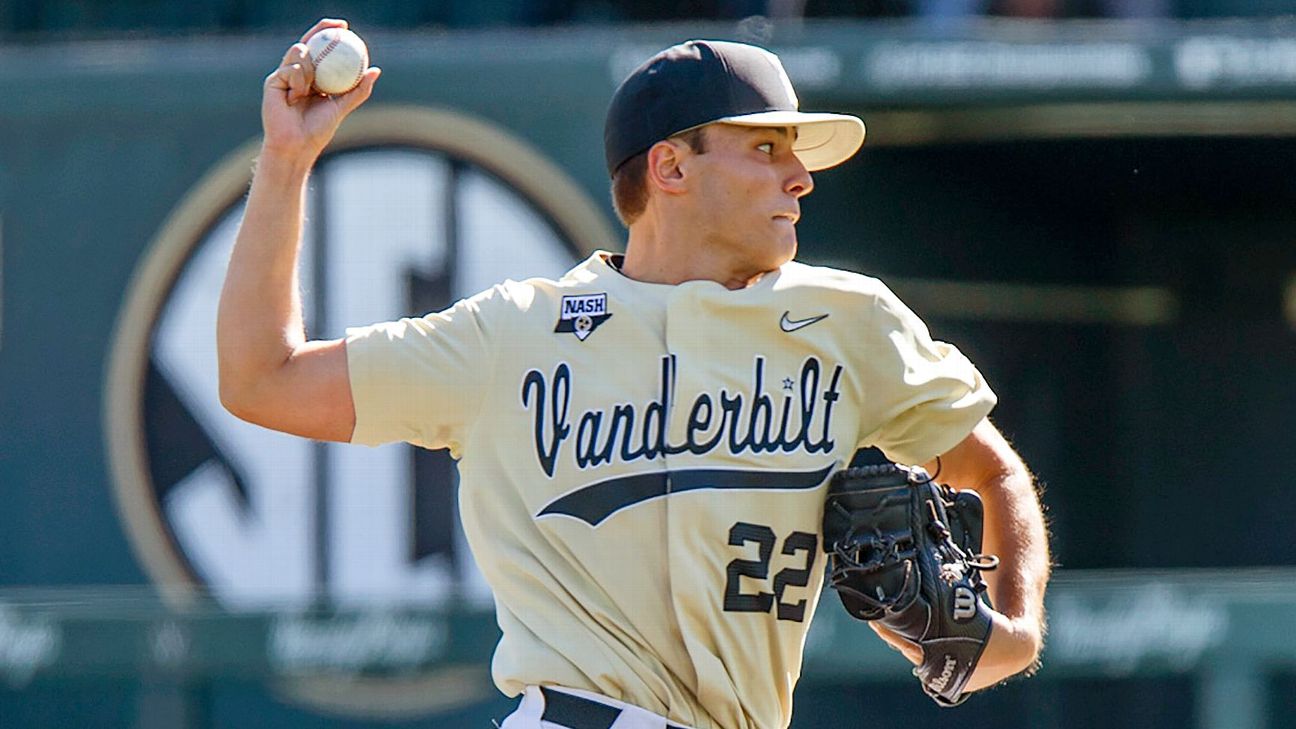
<point x="703" y="81"/>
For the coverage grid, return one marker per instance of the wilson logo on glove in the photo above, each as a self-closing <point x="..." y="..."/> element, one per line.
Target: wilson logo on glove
<point x="940" y="682"/>
<point x="964" y="603"/>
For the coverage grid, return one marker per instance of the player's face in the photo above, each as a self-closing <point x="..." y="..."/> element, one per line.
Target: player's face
<point x="748" y="193"/>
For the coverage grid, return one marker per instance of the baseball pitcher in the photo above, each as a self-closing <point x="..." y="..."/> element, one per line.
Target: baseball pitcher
<point x="647" y="444"/>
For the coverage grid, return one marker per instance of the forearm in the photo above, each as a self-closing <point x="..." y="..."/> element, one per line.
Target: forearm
<point x="259" y="323"/>
<point x="1015" y="531"/>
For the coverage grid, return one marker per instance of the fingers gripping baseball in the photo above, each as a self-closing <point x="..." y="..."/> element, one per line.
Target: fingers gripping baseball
<point x="297" y="118"/>
<point x="293" y="80"/>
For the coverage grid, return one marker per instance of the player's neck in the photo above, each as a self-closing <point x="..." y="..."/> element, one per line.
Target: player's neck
<point x="654" y="255"/>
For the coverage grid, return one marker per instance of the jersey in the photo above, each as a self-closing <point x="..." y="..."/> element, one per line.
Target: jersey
<point x="643" y="467"/>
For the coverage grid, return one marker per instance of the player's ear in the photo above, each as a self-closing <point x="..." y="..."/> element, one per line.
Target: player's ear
<point x="664" y="170"/>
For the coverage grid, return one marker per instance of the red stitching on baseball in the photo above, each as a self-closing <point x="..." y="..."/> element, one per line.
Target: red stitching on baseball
<point x="337" y="40"/>
<point x="328" y="49"/>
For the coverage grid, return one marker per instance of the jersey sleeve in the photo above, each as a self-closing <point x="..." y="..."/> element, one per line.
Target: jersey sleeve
<point x="422" y="380"/>
<point x="925" y="394"/>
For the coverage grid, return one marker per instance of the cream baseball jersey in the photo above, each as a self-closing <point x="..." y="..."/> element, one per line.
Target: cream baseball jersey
<point x="643" y="466"/>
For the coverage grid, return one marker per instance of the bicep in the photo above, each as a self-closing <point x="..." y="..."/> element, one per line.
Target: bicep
<point x="309" y="395"/>
<point x="983" y="457"/>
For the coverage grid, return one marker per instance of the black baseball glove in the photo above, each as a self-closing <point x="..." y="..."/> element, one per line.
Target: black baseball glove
<point x="906" y="551"/>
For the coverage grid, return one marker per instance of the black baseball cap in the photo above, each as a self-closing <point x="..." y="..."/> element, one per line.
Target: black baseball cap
<point x="703" y="81"/>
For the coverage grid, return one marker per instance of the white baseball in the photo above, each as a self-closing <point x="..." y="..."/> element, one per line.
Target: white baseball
<point x="340" y="59"/>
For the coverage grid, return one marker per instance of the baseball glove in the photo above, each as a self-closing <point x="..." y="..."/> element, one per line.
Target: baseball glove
<point x="906" y="551"/>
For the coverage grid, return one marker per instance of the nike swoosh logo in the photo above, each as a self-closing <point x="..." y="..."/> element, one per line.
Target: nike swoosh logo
<point x="789" y="325"/>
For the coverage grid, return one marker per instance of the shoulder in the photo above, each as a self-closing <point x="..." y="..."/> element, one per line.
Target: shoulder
<point x="839" y="289"/>
<point x="800" y="278"/>
<point x="530" y="294"/>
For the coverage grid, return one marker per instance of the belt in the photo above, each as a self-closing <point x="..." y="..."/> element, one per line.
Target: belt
<point x="578" y="712"/>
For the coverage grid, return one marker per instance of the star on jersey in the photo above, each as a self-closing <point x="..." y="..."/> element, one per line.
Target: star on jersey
<point x="581" y="315"/>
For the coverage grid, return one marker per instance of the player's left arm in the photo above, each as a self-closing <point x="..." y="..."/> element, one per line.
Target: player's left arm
<point x="1015" y="531"/>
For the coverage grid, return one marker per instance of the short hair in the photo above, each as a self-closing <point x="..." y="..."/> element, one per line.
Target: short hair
<point x="630" y="181"/>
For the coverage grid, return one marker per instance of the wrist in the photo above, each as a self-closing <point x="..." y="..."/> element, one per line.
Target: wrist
<point x="279" y="163"/>
<point x="1021" y="641"/>
<point x="1012" y="648"/>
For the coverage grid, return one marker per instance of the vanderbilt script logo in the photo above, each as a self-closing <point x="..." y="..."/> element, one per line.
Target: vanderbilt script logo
<point x="743" y="422"/>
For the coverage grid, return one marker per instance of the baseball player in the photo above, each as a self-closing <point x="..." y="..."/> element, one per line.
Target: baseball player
<point x="644" y="445"/>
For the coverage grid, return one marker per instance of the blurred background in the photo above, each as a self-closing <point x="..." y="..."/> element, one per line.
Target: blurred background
<point x="1093" y="198"/>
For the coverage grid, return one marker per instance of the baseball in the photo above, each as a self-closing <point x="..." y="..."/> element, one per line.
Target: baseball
<point x="340" y="59"/>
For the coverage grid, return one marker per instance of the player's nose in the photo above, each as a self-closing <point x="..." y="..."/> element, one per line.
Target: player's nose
<point x="798" y="183"/>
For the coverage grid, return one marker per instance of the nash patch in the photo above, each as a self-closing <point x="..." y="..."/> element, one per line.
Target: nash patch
<point x="581" y="315"/>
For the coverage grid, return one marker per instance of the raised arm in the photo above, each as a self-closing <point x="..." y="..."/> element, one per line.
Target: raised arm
<point x="269" y="373"/>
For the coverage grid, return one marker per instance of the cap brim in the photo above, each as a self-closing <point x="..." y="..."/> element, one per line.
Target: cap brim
<point x="823" y="140"/>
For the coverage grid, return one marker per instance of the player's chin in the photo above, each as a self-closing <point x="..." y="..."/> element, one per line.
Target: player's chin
<point x="783" y="244"/>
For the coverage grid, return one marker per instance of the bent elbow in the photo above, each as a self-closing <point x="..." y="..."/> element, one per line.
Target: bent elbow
<point x="229" y="400"/>
<point x="1030" y="646"/>
<point x="236" y="400"/>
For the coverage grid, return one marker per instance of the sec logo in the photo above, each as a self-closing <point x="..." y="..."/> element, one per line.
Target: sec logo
<point x="409" y="210"/>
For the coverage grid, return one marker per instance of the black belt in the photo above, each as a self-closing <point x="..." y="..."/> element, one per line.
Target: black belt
<point x="577" y="712"/>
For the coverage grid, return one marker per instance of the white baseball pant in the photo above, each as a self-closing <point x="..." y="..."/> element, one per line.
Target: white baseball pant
<point x="549" y="707"/>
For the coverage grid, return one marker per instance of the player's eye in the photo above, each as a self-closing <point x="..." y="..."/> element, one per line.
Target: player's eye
<point x="766" y="147"/>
